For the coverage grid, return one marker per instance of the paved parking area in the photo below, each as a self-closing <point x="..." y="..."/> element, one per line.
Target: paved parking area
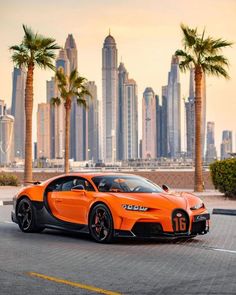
<point x="204" y="265"/>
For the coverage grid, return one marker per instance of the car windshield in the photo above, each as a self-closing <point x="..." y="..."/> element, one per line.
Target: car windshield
<point x="125" y="184"/>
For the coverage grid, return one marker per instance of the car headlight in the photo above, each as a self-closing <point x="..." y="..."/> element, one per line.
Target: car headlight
<point x="135" y="208"/>
<point x="198" y="206"/>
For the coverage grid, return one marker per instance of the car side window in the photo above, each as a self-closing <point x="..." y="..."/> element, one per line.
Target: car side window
<point x="61" y="184"/>
<point x="67" y="183"/>
<point x="83" y="182"/>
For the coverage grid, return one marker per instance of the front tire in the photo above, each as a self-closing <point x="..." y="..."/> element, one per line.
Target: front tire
<point x="101" y="224"/>
<point x="26" y="217"/>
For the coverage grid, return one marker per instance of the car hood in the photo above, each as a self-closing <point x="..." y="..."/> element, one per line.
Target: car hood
<point x="154" y="200"/>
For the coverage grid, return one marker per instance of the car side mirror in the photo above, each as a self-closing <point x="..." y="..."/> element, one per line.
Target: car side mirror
<point x="165" y="188"/>
<point x="78" y="187"/>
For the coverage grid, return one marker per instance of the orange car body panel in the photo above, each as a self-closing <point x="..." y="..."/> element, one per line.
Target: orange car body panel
<point x="74" y="206"/>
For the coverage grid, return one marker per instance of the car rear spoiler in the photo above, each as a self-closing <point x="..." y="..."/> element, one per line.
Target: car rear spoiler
<point x="34" y="182"/>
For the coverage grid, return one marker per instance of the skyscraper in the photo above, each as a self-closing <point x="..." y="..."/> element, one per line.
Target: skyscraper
<point x="127" y="117"/>
<point x="51" y="93"/>
<point x="92" y="133"/>
<point x="130" y="120"/>
<point x="173" y="110"/>
<point x="6" y="139"/>
<point x="163" y="115"/>
<point x="78" y="139"/>
<point x="190" y="115"/>
<point x="149" y="124"/>
<point x="18" y="110"/>
<point x="59" y="111"/>
<point x="71" y="50"/>
<point x="109" y="99"/>
<point x="226" y="145"/>
<point x="158" y="125"/>
<point x="122" y="79"/>
<point x="2" y="107"/>
<point x="211" y="149"/>
<point x="43" y="131"/>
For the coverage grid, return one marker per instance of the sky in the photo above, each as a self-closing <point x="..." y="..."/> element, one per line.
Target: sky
<point x="147" y="33"/>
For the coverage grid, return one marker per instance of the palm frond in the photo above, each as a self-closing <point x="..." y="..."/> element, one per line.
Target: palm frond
<point x="190" y="36"/>
<point x="45" y="59"/>
<point x="215" y="70"/>
<point x="60" y="77"/>
<point x="220" y="43"/>
<point x="73" y="76"/>
<point x="55" y="101"/>
<point x="217" y="60"/>
<point x="186" y="60"/>
<point x="203" y="51"/>
<point x="82" y="102"/>
<point x="29" y="34"/>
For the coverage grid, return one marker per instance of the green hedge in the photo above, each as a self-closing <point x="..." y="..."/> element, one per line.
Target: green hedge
<point x="8" y="179"/>
<point x="223" y="175"/>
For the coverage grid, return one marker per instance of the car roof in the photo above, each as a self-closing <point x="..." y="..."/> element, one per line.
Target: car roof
<point x="93" y="174"/>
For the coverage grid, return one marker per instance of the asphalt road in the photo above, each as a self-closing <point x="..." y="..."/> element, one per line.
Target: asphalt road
<point x="55" y="262"/>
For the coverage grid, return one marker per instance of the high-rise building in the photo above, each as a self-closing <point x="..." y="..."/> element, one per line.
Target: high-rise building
<point x="211" y="154"/>
<point x="71" y="50"/>
<point x="43" y="131"/>
<point x="173" y="110"/>
<point x="18" y="110"/>
<point x="50" y="95"/>
<point x="6" y="139"/>
<point x="190" y="115"/>
<point x="163" y="123"/>
<point x="122" y="79"/>
<point x="78" y="139"/>
<point x="149" y="124"/>
<point x="158" y="125"/>
<point x="92" y="134"/>
<point x="109" y="99"/>
<point x="127" y="117"/>
<point x="130" y="120"/>
<point x="2" y="107"/>
<point x="59" y="111"/>
<point x="226" y="145"/>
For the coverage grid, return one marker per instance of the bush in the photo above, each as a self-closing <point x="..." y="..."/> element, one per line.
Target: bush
<point x="223" y="175"/>
<point x="8" y="179"/>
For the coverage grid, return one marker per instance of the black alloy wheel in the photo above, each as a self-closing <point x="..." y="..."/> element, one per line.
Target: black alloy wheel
<point x="26" y="217"/>
<point x="101" y="224"/>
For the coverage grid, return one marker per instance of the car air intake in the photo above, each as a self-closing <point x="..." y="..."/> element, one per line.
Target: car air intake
<point x="147" y="229"/>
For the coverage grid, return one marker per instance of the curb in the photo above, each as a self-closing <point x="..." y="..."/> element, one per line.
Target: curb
<point x="224" y="211"/>
<point x="3" y="203"/>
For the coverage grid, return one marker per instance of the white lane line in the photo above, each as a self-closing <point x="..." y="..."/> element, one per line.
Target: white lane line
<point x="1" y="203"/>
<point x="8" y="222"/>
<point x="224" y="250"/>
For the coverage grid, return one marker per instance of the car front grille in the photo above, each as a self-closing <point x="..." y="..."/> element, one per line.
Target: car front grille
<point x="180" y="221"/>
<point x="147" y="229"/>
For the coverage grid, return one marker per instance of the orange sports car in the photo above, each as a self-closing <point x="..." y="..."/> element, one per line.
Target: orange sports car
<point x="109" y="205"/>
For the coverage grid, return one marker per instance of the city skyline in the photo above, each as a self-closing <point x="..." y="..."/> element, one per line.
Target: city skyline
<point x="148" y="69"/>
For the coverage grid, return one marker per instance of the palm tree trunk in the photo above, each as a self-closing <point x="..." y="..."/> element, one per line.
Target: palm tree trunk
<point x="198" y="181"/>
<point x="67" y="137"/>
<point x="28" y="123"/>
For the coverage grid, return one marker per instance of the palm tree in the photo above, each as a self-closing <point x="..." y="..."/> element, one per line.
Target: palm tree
<point x="70" y="87"/>
<point x="34" y="50"/>
<point x="204" y="54"/>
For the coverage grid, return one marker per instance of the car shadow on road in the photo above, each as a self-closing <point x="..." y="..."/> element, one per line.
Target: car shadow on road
<point x="72" y="236"/>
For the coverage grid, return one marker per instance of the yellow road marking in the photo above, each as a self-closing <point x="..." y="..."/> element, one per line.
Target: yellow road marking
<point x="73" y="284"/>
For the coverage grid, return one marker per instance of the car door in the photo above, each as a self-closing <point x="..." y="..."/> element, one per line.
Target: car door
<point x="69" y="205"/>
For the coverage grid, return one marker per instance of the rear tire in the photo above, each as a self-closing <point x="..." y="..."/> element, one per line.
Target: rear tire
<point x="101" y="226"/>
<point x="26" y="217"/>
